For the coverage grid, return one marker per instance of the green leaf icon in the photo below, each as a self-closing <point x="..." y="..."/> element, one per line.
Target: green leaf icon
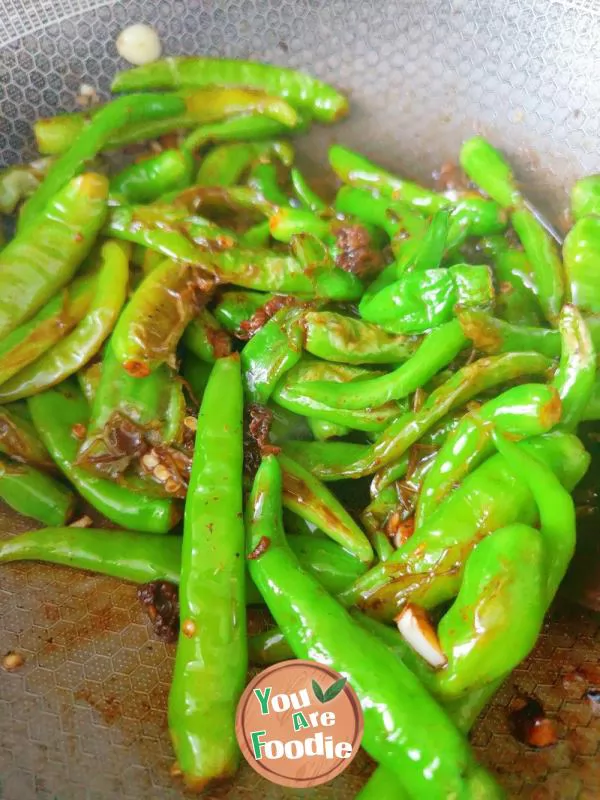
<point x="318" y="692"/>
<point x="334" y="690"/>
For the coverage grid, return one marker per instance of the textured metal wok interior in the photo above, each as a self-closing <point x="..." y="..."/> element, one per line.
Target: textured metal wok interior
<point x="85" y="717"/>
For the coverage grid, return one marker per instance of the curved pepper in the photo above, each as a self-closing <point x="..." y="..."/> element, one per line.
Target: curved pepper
<point x="148" y="180"/>
<point x="106" y="121"/>
<point x="400" y="222"/>
<point x="303" y="91"/>
<point x="272" y="352"/>
<point x="436" y="351"/>
<point x="427" y="569"/>
<point x="141" y="558"/>
<point x="392" y="698"/>
<point x="487" y="168"/>
<point x="81" y="345"/>
<point x="465" y="384"/>
<point x="123" y="554"/>
<point x="40" y="261"/>
<point x="53" y="321"/>
<point x="156" y="316"/>
<point x="419" y="301"/>
<point x="306" y="496"/>
<point x="290" y="393"/>
<point x="203" y="697"/>
<point x="246" y="127"/>
<point x="492" y="335"/>
<point x="522" y="411"/>
<point x="509" y="580"/>
<point x="336" y="337"/>
<point x="35" y="494"/>
<point x="483" y="217"/>
<point x="313" y="456"/>
<point x="54" y="413"/>
<point x="576" y="374"/>
<point x="250" y="268"/>
<point x="147" y="116"/>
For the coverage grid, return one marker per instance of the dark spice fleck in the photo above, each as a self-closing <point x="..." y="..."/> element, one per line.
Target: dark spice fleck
<point x="161" y="601"/>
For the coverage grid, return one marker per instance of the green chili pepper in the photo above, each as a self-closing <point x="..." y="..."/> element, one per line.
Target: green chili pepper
<point x="419" y="301"/>
<point x="74" y="351"/>
<point x="19" y="439"/>
<point x="203" y="697"/>
<point x="427" y="569"/>
<point x="313" y="456"/>
<point x="317" y="627"/>
<point x="436" y="351"/>
<point x="226" y="164"/>
<point x="576" y="374"/>
<point x="522" y="411"/>
<point x="486" y="167"/>
<point x="121" y="554"/>
<point x="323" y="430"/>
<point x="148" y="180"/>
<point x="516" y="299"/>
<point x="509" y="580"/>
<point x="40" y="261"/>
<point x="248" y="127"/>
<point x="148" y="116"/>
<point x="336" y="337"/>
<point x="53" y="321"/>
<point x="306" y="496"/>
<point x="35" y="494"/>
<point x="581" y="252"/>
<point x="465" y="384"/>
<point x="398" y="220"/>
<point x="153" y="405"/>
<point x="585" y="197"/>
<point x="249" y="268"/>
<point x="305" y="193"/>
<point x="236" y="306"/>
<point x="141" y="558"/>
<point x="272" y="352"/>
<point x="106" y="121"/>
<point x="492" y="335"/>
<point x="19" y="182"/>
<point x="54" y="413"/>
<point x="483" y="217"/>
<point x="290" y="393"/>
<point x="156" y="316"/>
<point x="303" y="91"/>
<point x="205" y="337"/>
